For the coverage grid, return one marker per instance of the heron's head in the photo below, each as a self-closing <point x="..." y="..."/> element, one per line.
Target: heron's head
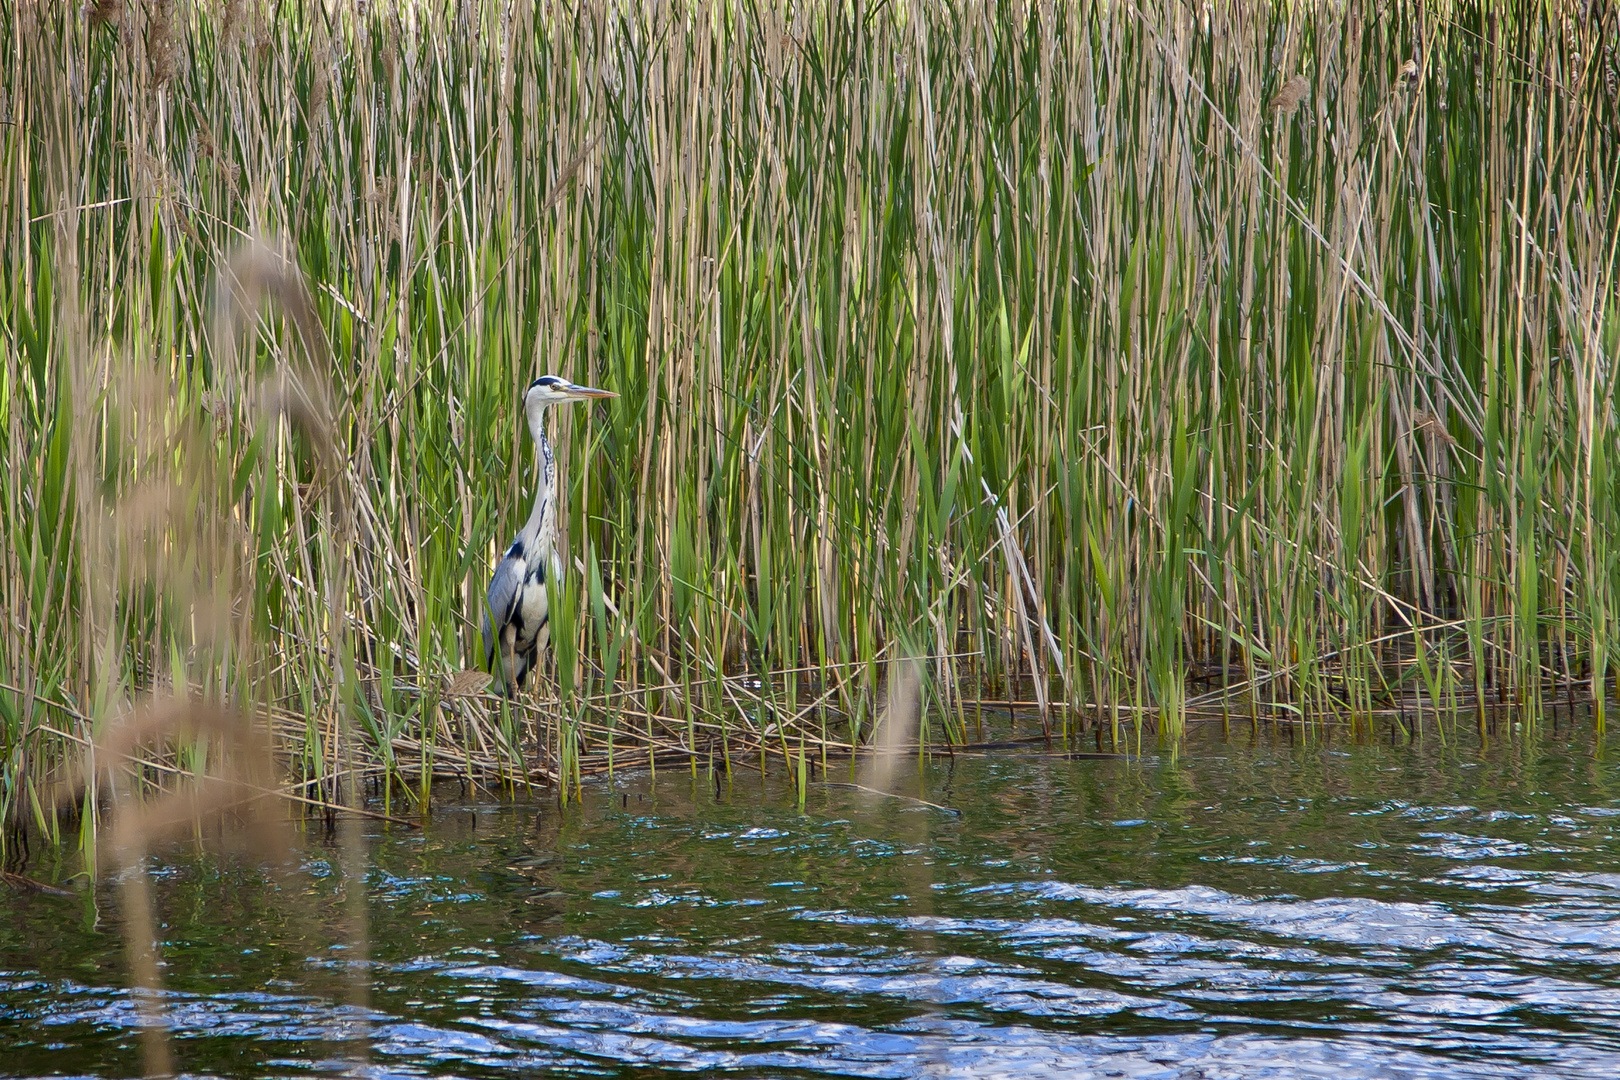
<point x="550" y="390"/>
<point x="554" y="390"/>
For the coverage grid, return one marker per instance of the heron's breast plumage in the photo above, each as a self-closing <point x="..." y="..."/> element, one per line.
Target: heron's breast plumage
<point x="530" y="609"/>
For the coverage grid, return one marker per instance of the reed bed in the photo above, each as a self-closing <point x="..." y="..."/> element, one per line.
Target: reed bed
<point x="1145" y="362"/>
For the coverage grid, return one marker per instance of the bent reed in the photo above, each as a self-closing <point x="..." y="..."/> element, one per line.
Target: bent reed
<point x="1143" y="362"/>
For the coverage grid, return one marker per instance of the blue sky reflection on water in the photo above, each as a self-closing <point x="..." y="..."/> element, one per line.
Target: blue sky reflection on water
<point x="1244" y="909"/>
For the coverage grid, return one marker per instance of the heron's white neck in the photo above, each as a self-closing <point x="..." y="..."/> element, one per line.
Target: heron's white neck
<point x="542" y="523"/>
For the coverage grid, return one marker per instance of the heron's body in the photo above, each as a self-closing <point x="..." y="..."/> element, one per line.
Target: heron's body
<point x="516" y="623"/>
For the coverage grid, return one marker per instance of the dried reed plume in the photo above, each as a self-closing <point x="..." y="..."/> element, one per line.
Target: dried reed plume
<point x="1290" y="96"/>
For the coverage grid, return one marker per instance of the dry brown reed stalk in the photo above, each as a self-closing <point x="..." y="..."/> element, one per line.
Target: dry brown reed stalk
<point x="897" y="725"/>
<point x="879" y="779"/>
<point x="261" y="278"/>
<point x="168" y="527"/>
<point x="165" y="530"/>
<point x="239" y="762"/>
<point x="238" y="777"/>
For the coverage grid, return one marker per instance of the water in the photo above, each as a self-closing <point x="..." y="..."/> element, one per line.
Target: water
<point x="1242" y="911"/>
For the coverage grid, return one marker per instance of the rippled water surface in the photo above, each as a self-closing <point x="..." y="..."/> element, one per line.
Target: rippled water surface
<point x="1245" y="910"/>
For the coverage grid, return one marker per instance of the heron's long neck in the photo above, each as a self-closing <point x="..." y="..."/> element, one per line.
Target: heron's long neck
<point x="542" y="523"/>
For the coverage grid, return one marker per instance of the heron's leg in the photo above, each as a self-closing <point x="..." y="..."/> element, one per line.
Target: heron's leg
<point x="509" y="661"/>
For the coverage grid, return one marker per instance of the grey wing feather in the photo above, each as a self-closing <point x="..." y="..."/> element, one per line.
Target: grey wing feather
<point x="503" y="591"/>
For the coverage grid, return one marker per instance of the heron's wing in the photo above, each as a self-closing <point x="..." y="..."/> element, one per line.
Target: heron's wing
<point x="498" y="604"/>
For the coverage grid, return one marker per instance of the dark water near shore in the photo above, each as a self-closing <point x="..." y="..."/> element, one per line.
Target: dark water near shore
<point x="1245" y="910"/>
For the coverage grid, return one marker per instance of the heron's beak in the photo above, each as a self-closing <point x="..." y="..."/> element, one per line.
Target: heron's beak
<point x="583" y="393"/>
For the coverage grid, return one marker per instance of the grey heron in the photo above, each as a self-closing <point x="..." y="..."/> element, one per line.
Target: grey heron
<point x="516" y="622"/>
